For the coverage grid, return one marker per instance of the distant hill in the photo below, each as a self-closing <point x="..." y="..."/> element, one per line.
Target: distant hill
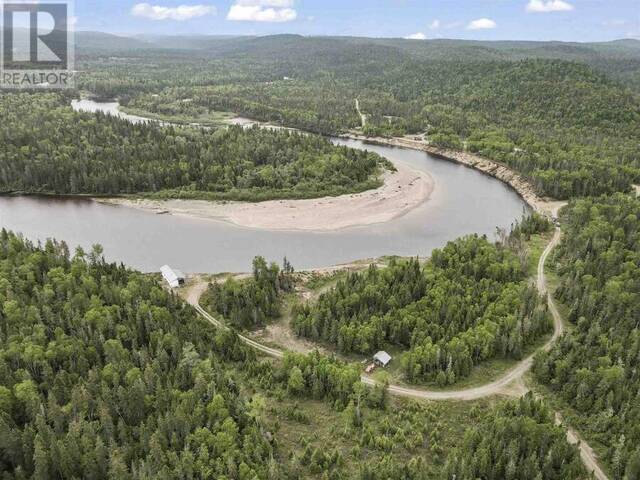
<point x="619" y="59"/>
<point x="435" y="48"/>
<point x="189" y="42"/>
<point x="88" y="43"/>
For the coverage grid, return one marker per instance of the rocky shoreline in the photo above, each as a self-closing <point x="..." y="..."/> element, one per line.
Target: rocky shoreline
<point x="523" y="187"/>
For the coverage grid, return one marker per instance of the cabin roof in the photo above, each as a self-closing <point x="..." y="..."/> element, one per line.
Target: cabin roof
<point x="383" y="357"/>
<point x="173" y="277"/>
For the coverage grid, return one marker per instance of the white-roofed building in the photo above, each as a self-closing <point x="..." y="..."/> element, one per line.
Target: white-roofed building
<point x="382" y="358"/>
<point x="174" y="278"/>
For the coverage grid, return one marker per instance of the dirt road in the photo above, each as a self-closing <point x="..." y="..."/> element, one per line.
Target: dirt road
<point x="363" y="117"/>
<point x="487" y="390"/>
<point x="272" y="352"/>
<point x="503" y="385"/>
<point x="589" y="458"/>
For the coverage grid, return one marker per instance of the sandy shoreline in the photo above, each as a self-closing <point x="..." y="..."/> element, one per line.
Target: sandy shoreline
<point x="402" y="191"/>
<point x="334" y="213"/>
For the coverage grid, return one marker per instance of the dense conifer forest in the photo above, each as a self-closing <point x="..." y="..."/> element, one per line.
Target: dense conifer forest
<point x="103" y="374"/>
<point x="594" y="369"/>
<point x="48" y="148"/>
<point x="471" y="302"/>
<point x="106" y="375"/>
<point x="566" y="116"/>
<point x="516" y="441"/>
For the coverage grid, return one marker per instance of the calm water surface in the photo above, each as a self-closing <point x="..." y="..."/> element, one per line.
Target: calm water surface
<point x="464" y="201"/>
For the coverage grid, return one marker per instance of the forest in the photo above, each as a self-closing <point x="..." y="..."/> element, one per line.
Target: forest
<point x="102" y="375"/>
<point x="502" y="446"/>
<point x="594" y="369"/>
<point x="48" y="148"/>
<point x="106" y="375"/>
<point x="469" y="303"/>
<point x="249" y="303"/>
<point x="565" y="117"/>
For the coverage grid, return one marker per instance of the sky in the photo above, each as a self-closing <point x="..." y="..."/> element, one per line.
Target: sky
<point x="564" y="20"/>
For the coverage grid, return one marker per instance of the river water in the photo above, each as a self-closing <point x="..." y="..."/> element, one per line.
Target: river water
<point x="463" y="202"/>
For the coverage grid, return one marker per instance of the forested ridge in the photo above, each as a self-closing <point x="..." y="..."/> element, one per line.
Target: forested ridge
<point x="567" y="120"/>
<point x="566" y="116"/>
<point x="471" y="302"/>
<point x="48" y="148"/>
<point x="594" y="369"/>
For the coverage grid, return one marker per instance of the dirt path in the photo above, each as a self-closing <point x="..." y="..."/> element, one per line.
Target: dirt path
<point x="192" y="297"/>
<point x="363" y="117"/>
<point x="494" y="388"/>
<point x="510" y="384"/>
<point x="589" y="458"/>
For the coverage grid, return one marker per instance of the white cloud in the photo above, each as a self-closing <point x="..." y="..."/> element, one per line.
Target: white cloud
<point x="435" y="25"/>
<point x="416" y="36"/>
<point x="546" y="6"/>
<point x="181" y="13"/>
<point x="481" y="24"/>
<point x="266" y="3"/>
<point x="262" y="11"/>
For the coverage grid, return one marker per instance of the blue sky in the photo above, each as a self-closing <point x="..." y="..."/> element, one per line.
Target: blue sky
<point x="567" y="20"/>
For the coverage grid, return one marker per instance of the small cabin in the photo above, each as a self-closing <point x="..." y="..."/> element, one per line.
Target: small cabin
<point x="175" y="278"/>
<point x="382" y="358"/>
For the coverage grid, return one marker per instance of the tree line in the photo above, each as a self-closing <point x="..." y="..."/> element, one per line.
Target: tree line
<point x="594" y="368"/>
<point x="471" y="302"/>
<point x="249" y="303"/>
<point x="48" y="148"/>
<point x="568" y="126"/>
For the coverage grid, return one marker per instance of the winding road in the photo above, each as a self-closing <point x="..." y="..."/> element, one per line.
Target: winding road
<point x="496" y="387"/>
<point x="483" y="391"/>
<point x="512" y="375"/>
<point x="499" y="386"/>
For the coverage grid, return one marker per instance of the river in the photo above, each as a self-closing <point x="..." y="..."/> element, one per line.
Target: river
<point x="464" y="201"/>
